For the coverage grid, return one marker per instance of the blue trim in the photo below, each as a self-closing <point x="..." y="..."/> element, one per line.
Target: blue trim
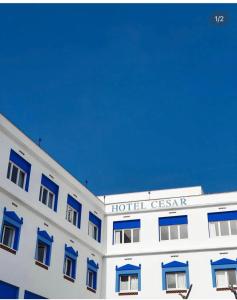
<point x="23" y="164"/>
<point x="53" y="187"/>
<point x="174" y="267"/>
<point x="222" y="216"/>
<point x="10" y="218"/>
<point x="77" y="206"/>
<point x="47" y="240"/>
<point x="30" y="295"/>
<point x="127" y="270"/>
<point x="96" y="221"/>
<point x="8" y="291"/>
<point x="71" y="254"/>
<point x="93" y="267"/>
<point x="179" y="220"/>
<point x="221" y="264"/>
<point x="127" y="224"/>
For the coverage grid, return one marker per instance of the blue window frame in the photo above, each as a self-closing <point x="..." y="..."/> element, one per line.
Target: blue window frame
<point x="73" y="214"/>
<point x="175" y="276"/>
<point x="126" y="231"/>
<point x="172" y="228"/>
<point x="49" y="193"/>
<point x="43" y="247"/>
<point x="222" y="223"/>
<point x="224" y="272"/>
<point x="91" y="276"/>
<point x="8" y="291"/>
<point x="11" y="229"/>
<point x="30" y="295"/>
<point x="19" y="170"/>
<point x="70" y="262"/>
<point x="94" y="227"/>
<point x="128" y="278"/>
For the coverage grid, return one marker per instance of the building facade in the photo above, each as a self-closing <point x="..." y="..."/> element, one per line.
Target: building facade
<point x="58" y="240"/>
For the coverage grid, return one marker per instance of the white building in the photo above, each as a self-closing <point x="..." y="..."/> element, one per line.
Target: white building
<point x="58" y="240"/>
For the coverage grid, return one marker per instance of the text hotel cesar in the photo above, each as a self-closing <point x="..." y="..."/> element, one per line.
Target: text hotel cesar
<point x="58" y="240"/>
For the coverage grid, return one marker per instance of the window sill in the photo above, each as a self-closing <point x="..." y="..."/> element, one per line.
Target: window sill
<point x="13" y="251"/>
<point x="175" y="291"/>
<point x="91" y="289"/>
<point x="40" y="264"/>
<point x="69" y="278"/>
<point x="225" y="289"/>
<point x="128" y="293"/>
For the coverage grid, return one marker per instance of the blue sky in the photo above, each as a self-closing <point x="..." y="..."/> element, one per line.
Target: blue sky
<point x="128" y="97"/>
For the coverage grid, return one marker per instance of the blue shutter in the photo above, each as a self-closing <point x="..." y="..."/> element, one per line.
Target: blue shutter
<point x="8" y="291"/>
<point x="77" y="206"/>
<point x="222" y="216"/>
<point x="179" y="220"/>
<point x="45" y="238"/>
<point x="127" y="224"/>
<point x="53" y="187"/>
<point x="30" y="295"/>
<point x="23" y="164"/>
<point x="96" y="221"/>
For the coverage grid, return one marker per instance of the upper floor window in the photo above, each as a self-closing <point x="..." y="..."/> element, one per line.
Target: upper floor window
<point x="222" y="223"/>
<point x="11" y="228"/>
<point x="175" y="276"/>
<point x="19" y="170"/>
<point x="70" y="259"/>
<point x="48" y="193"/>
<point x="128" y="279"/>
<point x="73" y="213"/>
<point x="43" y="248"/>
<point x="94" y="227"/>
<point x="224" y="273"/>
<point x="126" y="231"/>
<point x="91" y="276"/>
<point x="172" y="228"/>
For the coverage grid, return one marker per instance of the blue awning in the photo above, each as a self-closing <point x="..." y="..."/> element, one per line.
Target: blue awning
<point x="127" y="224"/>
<point x="222" y="216"/>
<point x="179" y="220"/>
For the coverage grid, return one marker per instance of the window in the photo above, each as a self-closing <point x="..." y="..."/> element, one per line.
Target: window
<point x="129" y="283"/>
<point x="222" y="224"/>
<point x="128" y="279"/>
<point x="126" y="231"/>
<point x="175" y="276"/>
<point x="43" y="248"/>
<point x="48" y="193"/>
<point x="11" y="228"/>
<point x="18" y="170"/>
<point x="94" y="227"/>
<point x="173" y="228"/>
<point x="30" y="295"/>
<point x="225" y="278"/>
<point x="70" y="260"/>
<point x="73" y="213"/>
<point x="224" y="273"/>
<point x="91" y="276"/>
<point x="176" y="280"/>
<point x="8" y="291"/>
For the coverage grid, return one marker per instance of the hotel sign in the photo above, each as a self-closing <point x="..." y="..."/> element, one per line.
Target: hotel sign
<point x="147" y="205"/>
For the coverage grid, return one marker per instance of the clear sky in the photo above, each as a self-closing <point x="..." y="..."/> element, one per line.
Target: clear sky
<point x="128" y="97"/>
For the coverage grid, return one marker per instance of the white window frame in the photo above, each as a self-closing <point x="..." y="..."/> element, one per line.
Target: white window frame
<point x="219" y="228"/>
<point x="45" y="253"/>
<point x="176" y="281"/>
<point x="13" y="235"/>
<point x="129" y="283"/>
<point x="88" y="272"/>
<point x="9" y="174"/>
<point x="226" y="278"/>
<point x="42" y="188"/>
<point x="71" y="210"/>
<point x="122" y="230"/>
<point x="169" y="228"/>
<point x="65" y="266"/>
<point x="91" y="227"/>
